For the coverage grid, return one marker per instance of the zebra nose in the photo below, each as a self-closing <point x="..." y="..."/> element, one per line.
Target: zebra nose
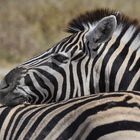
<point x="5" y="89"/>
<point x="3" y="84"/>
<point x="10" y="97"/>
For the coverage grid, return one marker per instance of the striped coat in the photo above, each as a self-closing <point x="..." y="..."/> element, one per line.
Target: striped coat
<point x="105" y="116"/>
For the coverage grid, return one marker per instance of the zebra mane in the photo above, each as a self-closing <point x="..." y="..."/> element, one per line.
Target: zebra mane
<point x="83" y="21"/>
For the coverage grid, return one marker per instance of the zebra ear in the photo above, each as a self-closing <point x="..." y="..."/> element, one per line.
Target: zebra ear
<point x="103" y="30"/>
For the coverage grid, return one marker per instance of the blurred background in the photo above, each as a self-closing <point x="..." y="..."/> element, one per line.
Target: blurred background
<point x="29" y="27"/>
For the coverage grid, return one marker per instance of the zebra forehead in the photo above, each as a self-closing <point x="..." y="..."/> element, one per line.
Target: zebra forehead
<point x="84" y="21"/>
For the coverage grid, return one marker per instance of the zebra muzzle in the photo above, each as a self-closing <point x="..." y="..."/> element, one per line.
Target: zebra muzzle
<point x="11" y="98"/>
<point x="8" y="93"/>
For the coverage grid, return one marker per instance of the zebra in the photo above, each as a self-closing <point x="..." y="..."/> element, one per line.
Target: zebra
<point x="100" y="116"/>
<point x="101" y="54"/>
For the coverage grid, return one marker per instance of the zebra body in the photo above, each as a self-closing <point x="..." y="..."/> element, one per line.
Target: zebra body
<point x="104" y="116"/>
<point x="102" y="54"/>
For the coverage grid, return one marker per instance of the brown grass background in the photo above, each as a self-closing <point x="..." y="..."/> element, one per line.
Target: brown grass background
<point x="29" y="27"/>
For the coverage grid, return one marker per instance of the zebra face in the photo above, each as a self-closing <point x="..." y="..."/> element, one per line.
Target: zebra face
<point x="63" y="71"/>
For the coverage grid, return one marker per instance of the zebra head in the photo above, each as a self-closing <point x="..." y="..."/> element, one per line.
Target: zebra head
<point x="57" y="74"/>
<point x="88" y="61"/>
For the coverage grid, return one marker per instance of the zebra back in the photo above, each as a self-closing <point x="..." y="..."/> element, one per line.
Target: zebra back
<point x="104" y="116"/>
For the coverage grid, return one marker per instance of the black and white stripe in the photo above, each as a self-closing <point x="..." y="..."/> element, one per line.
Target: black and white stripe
<point x="105" y="116"/>
<point x="98" y="56"/>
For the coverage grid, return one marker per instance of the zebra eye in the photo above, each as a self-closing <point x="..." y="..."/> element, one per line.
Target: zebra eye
<point x="60" y="58"/>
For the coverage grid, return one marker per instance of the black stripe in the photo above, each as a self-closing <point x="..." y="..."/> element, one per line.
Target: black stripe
<point x="64" y="84"/>
<point x="77" y="92"/>
<point x="106" y="59"/>
<point x="52" y="80"/>
<point x="87" y="66"/>
<point x="113" y="127"/>
<point x="117" y="64"/>
<point x="78" y="57"/>
<point x="62" y="43"/>
<point x="54" y="48"/>
<point x="75" y="48"/>
<point x="10" y="121"/>
<point x="67" y="42"/>
<point x="69" y="131"/>
<point x="79" y="74"/>
<point x="34" y="59"/>
<point x="137" y="85"/>
<point x="69" y="46"/>
<point x="87" y="52"/>
<point x="137" y="65"/>
<point x="41" y="116"/>
<point x="26" y="121"/>
<point x="128" y="75"/>
<point x="45" y="54"/>
<point x="92" y="88"/>
<point x="41" y="83"/>
<point x="29" y="98"/>
<point x="3" y="115"/>
<point x="49" y="127"/>
<point x="72" y="83"/>
<point x="29" y="83"/>
<point x="82" y="56"/>
<point x="39" y="62"/>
